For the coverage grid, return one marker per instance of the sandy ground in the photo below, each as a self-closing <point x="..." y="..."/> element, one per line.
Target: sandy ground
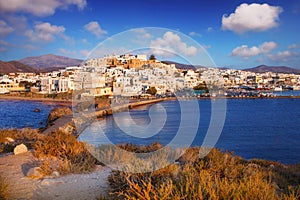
<point x="75" y="186"/>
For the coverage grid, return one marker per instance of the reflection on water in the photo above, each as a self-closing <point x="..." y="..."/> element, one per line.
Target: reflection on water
<point x="254" y="128"/>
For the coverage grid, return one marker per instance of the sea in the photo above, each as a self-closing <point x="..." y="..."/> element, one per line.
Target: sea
<point x="253" y="128"/>
<point x="21" y="114"/>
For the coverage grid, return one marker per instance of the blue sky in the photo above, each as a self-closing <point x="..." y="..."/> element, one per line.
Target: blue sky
<point x="236" y="34"/>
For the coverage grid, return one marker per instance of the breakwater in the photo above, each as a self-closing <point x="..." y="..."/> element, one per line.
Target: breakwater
<point x="84" y="119"/>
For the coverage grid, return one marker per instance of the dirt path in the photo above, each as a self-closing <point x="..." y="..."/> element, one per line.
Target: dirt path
<point x="75" y="186"/>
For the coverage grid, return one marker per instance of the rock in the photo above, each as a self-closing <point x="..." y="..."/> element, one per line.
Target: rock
<point x="9" y="140"/>
<point x="68" y="129"/>
<point x="19" y="149"/>
<point x="58" y="113"/>
<point x="37" y="110"/>
<point x="34" y="173"/>
<point x="55" y="174"/>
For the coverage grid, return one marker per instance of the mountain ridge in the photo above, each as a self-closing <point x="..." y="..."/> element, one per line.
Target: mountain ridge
<point x="274" y="69"/>
<point x="14" y="67"/>
<point x="50" y="61"/>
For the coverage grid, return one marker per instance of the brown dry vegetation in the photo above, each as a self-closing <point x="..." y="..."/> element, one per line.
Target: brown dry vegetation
<point x="216" y="176"/>
<point x="26" y="136"/>
<point x="3" y="188"/>
<point x="63" y="153"/>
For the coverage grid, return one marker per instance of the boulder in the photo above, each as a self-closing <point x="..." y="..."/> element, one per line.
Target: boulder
<point x="34" y="173"/>
<point x="55" y="174"/>
<point x="19" y="149"/>
<point x="9" y="140"/>
<point x="37" y="110"/>
<point x="58" y="113"/>
<point x="68" y="129"/>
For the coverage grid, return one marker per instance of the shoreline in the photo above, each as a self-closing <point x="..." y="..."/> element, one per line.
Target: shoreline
<point x="61" y="102"/>
<point x="68" y="102"/>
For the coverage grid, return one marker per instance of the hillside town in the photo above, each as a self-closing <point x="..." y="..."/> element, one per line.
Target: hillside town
<point x="138" y="76"/>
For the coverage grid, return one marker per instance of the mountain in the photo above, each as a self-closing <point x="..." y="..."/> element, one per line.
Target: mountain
<point x="274" y="69"/>
<point x="50" y="61"/>
<point x="14" y="66"/>
<point x="183" y="66"/>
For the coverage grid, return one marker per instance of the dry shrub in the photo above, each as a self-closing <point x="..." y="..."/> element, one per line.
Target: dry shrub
<point x="216" y="176"/>
<point x="26" y="136"/>
<point x="63" y="153"/>
<point x="4" y="187"/>
<point x="133" y="159"/>
<point x="141" y="149"/>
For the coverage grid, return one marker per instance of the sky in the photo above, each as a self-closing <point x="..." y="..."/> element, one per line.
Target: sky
<point x="235" y="34"/>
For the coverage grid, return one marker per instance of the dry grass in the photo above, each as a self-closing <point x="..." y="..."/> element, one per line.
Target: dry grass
<point x="129" y="157"/>
<point x="216" y="176"/>
<point x="63" y="153"/>
<point x="26" y="136"/>
<point x="3" y="188"/>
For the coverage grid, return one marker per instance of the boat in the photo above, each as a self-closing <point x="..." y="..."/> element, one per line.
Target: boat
<point x="296" y="87"/>
<point x="278" y="89"/>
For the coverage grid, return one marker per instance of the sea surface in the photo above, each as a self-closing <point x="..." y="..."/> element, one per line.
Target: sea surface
<point x="20" y="114"/>
<point x="254" y="128"/>
<point x="288" y="93"/>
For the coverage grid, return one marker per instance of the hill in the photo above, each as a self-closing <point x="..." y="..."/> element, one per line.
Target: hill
<point x="48" y="61"/>
<point x="274" y="69"/>
<point x="14" y="66"/>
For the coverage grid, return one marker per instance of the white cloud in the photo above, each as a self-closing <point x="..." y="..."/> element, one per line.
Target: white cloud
<point x="172" y="42"/>
<point x="94" y="28"/>
<point x="267" y="47"/>
<point x="143" y="34"/>
<point x="30" y="47"/>
<point x="85" y="53"/>
<point x="45" y="32"/>
<point x="4" y="28"/>
<point x="283" y="56"/>
<point x="85" y="41"/>
<point x="252" y="17"/>
<point x="40" y="7"/>
<point x="67" y="52"/>
<point x="3" y="49"/>
<point x="293" y="46"/>
<point x="206" y="46"/>
<point x="209" y="29"/>
<point x="245" y="52"/>
<point x="141" y="37"/>
<point x="192" y="33"/>
<point x="4" y="45"/>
